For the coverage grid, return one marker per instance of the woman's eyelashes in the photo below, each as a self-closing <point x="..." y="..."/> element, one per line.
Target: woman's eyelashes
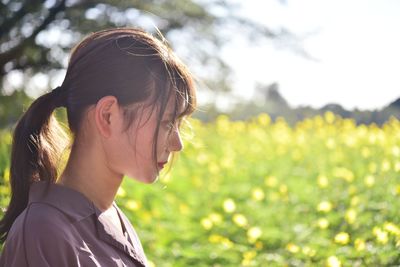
<point x="172" y="124"/>
<point x="169" y="125"/>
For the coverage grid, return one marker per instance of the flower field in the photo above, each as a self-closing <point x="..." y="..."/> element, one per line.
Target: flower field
<point x="259" y="193"/>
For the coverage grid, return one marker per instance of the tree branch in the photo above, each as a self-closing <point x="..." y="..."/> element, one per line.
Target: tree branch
<point x="17" y="51"/>
<point x="7" y="25"/>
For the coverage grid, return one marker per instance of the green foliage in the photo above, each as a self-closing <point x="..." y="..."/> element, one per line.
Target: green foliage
<point x="12" y="106"/>
<point x="255" y="193"/>
<point x="5" y="149"/>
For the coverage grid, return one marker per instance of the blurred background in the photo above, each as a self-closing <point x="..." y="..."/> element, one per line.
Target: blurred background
<point x="287" y="58"/>
<point x="295" y="157"/>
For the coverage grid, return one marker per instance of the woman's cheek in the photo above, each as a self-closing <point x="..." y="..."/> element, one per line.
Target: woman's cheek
<point x="113" y="152"/>
<point x="162" y="142"/>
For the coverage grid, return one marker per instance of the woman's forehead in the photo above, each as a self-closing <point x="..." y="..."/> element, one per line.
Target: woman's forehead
<point x="172" y="105"/>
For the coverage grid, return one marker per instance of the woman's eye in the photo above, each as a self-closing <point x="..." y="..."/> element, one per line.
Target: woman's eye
<point x="170" y="125"/>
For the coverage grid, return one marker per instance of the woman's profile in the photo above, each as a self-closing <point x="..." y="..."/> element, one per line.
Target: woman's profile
<point x="126" y="95"/>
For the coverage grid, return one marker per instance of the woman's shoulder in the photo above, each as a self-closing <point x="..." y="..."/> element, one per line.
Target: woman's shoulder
<point x="39" y="219"/>
<point x="40" y="234"/>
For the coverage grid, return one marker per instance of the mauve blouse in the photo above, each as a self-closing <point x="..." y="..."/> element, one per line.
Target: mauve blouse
<point x="61" y="227"/>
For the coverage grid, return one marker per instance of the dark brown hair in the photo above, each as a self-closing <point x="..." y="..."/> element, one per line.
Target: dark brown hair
<point x="127" y="63"/>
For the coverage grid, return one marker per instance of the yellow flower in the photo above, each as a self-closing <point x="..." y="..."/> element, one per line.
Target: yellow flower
<point x="213" y="168"/>
<point x="324" y="206"/>
<point x="342" y="238"/>
<point x="397" y="166"/>
<point x="216" y="218"/>
<point x="385" y="165"/>
<point x="202" y="158"/>
<point x="283" y="189"/>
<point x="330" y="143"/>
<point x="229" y="205"/>
<point x="329" y="117"/>
<point x="220" y="239"/>
<point x="308" y="251"/>
<point x="322" y="181"/>
<point x="359" y="244"/>
<point x="227" y="243"/>
<point x="227" y="162"/>
<point x="365" y="152"/>
<point x="350" y="141"/>
<point x="240" y="220"/>
<point x="350" y="216"/>
<point x="165" y="179"/>
<point x="121" y="192"/>
<point x="132" y="205"/>
<point x="369" y="180"/>
<point x="381" y="236"/>
<point x="333" y="261"/>
<point x="156" y="213"/>
<point x="396" y="151"/>
<point x="206" y="223"/>
<point x="323" y="223"/>
<point x="257" y="194"/>
<point x="249" y="254"/>
<point x="397" y="190"/>
<point x="183" y="208"/>
<point x="292" y="248"/>
<point x="215" y="238"/>
<point x="271" y="181"/>
<point x="264" y="119"/>
<point x="344" y="173"/>
<point x="6" y="174"/>
<point x="253" y="234"/>
<point x="391" y="228"/>
<point x="376" y="230"/>
<point x="259" y="245"/>
<point x="355" y="200"/>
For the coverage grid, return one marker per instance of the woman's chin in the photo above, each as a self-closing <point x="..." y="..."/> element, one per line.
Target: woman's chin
<point x="146" y="179"/>
<point x="149" y="180"/>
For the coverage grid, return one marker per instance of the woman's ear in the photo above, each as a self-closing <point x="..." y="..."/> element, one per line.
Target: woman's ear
<point x="106" y="115"/>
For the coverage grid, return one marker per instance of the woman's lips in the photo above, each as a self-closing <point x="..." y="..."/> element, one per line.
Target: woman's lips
<point x="161" y="164"/>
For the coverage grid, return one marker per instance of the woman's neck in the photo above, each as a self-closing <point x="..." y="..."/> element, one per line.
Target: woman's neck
<point x="87" y="172"/>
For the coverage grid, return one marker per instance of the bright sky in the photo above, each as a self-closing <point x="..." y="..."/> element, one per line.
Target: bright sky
<point x="356" y="42"/>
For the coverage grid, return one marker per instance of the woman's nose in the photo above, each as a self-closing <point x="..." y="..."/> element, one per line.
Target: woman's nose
<point x="175" y="141"/>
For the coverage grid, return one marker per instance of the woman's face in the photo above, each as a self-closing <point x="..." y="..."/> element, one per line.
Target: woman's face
<point x="139" y="138"/>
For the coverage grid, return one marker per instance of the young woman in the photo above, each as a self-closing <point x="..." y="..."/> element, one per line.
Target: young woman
<point x="126" y="95"/>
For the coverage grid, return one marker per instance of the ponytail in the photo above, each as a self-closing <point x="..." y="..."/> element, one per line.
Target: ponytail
<point x="38" y="141"/>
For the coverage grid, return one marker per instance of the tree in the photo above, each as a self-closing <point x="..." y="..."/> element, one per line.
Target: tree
<point x="36" y="36"/>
